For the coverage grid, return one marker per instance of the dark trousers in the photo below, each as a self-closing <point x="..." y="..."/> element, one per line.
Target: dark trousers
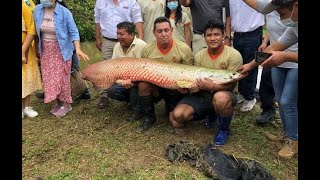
<point x="120" y="93"/>
<point x="266" y="91"/>
<point x="247" y="44"/>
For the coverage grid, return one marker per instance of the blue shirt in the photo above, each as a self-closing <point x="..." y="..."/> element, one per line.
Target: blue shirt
<point x="64" y="26"/>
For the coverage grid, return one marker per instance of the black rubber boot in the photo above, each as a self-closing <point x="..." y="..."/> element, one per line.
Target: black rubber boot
<point x="150" y="117"/>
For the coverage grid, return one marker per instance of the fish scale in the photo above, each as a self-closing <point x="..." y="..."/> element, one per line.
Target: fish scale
<point x="164" y="74"/>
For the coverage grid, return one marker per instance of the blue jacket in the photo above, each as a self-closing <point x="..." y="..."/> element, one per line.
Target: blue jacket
<point x="64" y="25"/>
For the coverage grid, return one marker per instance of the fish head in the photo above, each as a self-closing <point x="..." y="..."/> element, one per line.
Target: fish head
<point x="224" y="76"/>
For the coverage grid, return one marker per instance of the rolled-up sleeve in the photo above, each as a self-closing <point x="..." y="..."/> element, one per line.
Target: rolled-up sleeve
<point x="136" y="12"/>
<point x="72" y="27"/>
<point x="97" y="12"/>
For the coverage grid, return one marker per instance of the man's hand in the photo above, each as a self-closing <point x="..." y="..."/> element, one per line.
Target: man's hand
<point x="127" y="83"/>
<point x="205" y="84"/>
<point x="98" y="44"/>
<point x="183" y="90"/>
<point x="227" y="42"/>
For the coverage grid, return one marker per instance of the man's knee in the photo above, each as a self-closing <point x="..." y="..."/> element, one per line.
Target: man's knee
<point x="223" y="102"/>
<point x="182" y="113"/>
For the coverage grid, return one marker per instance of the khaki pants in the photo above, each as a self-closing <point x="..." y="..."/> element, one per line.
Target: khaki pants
<point x="198" y="43"/>
<point x="107" y="48"/>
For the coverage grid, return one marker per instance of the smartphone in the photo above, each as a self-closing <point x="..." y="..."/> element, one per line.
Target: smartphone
<point x="261" y="56"/>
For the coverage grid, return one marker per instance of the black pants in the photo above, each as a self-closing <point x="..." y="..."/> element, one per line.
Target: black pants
<point x="266" y="91"/>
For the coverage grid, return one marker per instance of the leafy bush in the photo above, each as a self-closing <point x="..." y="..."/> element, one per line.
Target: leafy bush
<point x="83" y="14"/>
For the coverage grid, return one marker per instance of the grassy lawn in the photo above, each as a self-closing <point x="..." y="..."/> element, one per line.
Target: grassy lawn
<point x="90" y="143"/>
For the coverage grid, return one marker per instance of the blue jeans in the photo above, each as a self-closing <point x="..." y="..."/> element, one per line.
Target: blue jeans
<point x="285" y="84"/>
<point x="247" y="44"/>
<point x="75" y="62"/>
<point x="131" y="95"/>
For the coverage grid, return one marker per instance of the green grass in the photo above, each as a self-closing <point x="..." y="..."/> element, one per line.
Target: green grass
<point x="90" y="143"/>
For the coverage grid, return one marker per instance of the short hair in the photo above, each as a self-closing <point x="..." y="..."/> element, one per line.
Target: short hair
<point x="214" y="23"/>
<point x="282" y="2"/>
<point x="128" y="26"/>
<point x="161" y="19"/>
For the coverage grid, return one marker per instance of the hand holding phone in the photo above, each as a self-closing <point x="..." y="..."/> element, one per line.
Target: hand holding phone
<point x="261" y="56"/>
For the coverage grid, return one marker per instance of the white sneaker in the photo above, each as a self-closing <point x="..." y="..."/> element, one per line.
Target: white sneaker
<point x="240" y="98"/>
<point x="30" y="112"/>
<point x="248" y="105"/>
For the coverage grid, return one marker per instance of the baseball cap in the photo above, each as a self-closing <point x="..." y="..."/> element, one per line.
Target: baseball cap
<point x="275" y="4"/>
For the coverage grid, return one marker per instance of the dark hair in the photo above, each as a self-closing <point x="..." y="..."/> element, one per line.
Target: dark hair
<point x="284" y="3"/>
<point x="128" y="26"/>
<point x="161" y="19"/>
<point x="214" y="23"/>
<point x="178" y="17"/>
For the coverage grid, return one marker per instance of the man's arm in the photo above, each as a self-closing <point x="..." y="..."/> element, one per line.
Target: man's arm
<point x="227" y="41"/>
<point x="98" y="36"/>
<point x="139" y="29"/>
<point x="185" y="2"/>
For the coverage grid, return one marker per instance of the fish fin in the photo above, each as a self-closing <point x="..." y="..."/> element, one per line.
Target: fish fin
<point x="184" y="84"/>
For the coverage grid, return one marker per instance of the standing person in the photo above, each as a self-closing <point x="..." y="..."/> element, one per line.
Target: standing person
<point x="109" y="13"/>
<point x="58" y="36"/>
<point x="128" y="46"/>
<point x="212" y="98"/>
<point x="266" y="91"/>
<point x="150" y="10"/>
<point x="164" y="48"/>
<point x="247" y="26"/>
<point x="180" y="21"/>
<point x="31" y="80"/>
<point x="285" y="76"/>
<point x="205" y="10"/>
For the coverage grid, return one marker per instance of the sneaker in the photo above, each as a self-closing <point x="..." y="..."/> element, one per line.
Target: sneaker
<point x="240" y="98"/>
<point x="62" y="111"/>
<point x="248" y="105"/>
<point x="103" y="102"/>
<point x="55" y="108"/>
<point x="289" y="149"/>
<point x="221" y="137"/>
<point x="265" y="116"/>
<point x="28" y="111"/>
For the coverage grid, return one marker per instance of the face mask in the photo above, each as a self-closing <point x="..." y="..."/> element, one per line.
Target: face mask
<point x="172" y="5"/>
<point x="289" y="22"/>
<point x="46" y="3"/>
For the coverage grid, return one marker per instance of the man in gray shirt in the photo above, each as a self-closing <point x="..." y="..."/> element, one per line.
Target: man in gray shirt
<point x="202" y="11"/>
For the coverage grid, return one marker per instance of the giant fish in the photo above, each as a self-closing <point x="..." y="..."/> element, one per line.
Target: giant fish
<point x="164" y="74"/>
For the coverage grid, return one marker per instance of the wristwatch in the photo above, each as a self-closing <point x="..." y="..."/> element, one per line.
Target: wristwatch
<point x="228" y="37"/>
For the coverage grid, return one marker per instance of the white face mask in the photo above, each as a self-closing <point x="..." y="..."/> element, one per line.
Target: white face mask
<point x="289" y="22"/>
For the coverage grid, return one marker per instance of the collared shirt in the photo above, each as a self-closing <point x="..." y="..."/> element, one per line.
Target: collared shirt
<point x="64" y="26"/>
<point x="134" y="50"/>
<point x="243" y="17"/>
<point x="180" y="52"/>
<point x="108" y="15"/>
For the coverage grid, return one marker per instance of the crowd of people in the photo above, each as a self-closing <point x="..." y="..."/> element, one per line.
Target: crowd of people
<point x="213" y="34"/>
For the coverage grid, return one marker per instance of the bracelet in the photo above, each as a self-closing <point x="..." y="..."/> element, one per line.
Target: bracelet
<point x="228" y="37"/>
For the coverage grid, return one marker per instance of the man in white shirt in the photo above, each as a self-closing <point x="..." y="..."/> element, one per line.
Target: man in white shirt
<point x="109" y="13"/>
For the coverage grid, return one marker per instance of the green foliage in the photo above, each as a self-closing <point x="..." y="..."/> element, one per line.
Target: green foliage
<point x="83" y="14"/>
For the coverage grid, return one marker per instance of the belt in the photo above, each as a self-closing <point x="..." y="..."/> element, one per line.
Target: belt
<point x="247" y="33"/>
<point x="111" y="39"/>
